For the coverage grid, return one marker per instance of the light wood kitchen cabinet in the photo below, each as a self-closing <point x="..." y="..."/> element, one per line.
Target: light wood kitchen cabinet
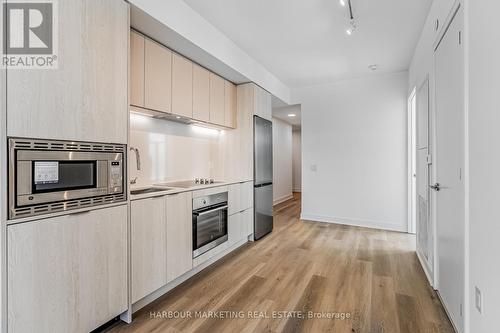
<point x="67" y="273"/>
<point x="157" y="77"/>
<point x="179" y="234"/>
<point x="86" y="97"/>
<point x="201" y="93"/>
<point x="262" y="103"/>
<point x="137" y="42"/>
<point x="239" y="226"/>
<point x="182" y="86"/>
<point x="217" y="100"/>
<point x="248" y="217"/>
<point x="240" y="197"/>
<point x="148" y="246"/>
<point x="230" y="104"/>
<point x="246" y="195"/>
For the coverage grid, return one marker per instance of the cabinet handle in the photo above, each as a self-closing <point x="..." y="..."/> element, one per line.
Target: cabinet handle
<point x="80" y="213"/>
<point x="437" y="24"/>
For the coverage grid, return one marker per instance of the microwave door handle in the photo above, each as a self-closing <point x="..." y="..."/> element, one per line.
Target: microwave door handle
<point x="210" y="211"/>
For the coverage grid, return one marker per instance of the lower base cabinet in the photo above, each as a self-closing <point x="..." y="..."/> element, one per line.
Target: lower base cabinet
<point x="67" y="273"/>
<point x="239" y="226"/>
<point x="179" y="234"/>
<point x="148" y="246"/>
<point x="161" y="248"/>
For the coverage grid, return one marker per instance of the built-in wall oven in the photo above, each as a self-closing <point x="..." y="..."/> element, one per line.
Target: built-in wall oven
<point x="50" y="176"/>
<point x="209" y="222"/>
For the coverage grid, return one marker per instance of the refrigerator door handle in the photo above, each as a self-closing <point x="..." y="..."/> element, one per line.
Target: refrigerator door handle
<point x="263" y="184"/>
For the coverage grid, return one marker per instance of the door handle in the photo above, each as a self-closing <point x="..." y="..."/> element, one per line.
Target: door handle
<point x="436" y="187"/>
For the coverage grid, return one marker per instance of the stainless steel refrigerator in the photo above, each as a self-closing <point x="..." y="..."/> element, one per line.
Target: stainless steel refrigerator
<point x="263" y="176"/>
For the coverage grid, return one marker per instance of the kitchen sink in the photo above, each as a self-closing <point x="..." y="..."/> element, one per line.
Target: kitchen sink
<point x="150" y="190"/>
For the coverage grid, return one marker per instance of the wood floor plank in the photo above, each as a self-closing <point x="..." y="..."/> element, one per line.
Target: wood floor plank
<point x="309" y="301"/>
<point x="371" y="275"/>
<point x="384" y="307"/>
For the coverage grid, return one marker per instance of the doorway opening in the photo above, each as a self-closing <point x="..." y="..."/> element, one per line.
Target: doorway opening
<point x="412" y="162"/>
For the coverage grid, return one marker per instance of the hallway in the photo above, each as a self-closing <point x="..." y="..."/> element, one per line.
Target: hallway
<point x="371" y="277"/>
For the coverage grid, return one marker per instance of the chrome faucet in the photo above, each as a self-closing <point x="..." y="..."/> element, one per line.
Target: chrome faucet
<point x="137" y="163"/>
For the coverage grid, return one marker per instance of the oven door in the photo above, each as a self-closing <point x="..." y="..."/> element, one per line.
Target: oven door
<point x="52" y="176"/>
<point x="209" y="228"/>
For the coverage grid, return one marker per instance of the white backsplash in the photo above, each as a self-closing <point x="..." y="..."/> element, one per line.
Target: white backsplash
<point x="172" y="151"/>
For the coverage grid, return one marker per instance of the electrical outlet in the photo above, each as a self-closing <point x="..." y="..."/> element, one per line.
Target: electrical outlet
<point x="479" y="300"/>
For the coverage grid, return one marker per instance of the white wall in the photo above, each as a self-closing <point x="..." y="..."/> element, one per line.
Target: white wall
<point x="296" y="161"/>
<point x="354" y="152"/>
<point x="484" y="176"/>
<point x="171" y="151"/>
<point x="282" y="161"/>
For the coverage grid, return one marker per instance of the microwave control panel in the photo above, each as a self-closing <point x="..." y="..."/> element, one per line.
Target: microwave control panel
<point x="116" y="176"/>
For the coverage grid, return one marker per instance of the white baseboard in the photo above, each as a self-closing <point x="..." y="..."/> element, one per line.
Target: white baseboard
<point x="423" y="263"/>
<point x="297" y="190"/>
<point x="282" y="199"/>
<point x="356" y="222"/>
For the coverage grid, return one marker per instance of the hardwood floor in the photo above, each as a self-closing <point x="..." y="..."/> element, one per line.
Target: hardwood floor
<point x="372" y="276"/>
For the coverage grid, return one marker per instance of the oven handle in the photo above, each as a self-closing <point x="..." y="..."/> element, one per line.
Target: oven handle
<point x="210" y="211"/>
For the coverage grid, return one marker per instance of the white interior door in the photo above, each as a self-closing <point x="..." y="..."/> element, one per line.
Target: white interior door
<point x="450" y="222"/>
<point x="424" y="226"/>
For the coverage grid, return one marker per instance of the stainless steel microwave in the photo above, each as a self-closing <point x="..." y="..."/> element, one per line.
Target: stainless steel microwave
<point x="50" y="176"/>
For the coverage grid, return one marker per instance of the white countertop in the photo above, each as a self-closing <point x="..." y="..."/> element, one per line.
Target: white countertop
<point x="175" y="190"/>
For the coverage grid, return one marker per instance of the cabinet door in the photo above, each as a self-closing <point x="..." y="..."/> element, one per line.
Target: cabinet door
<point x="136" y="69"/>
<point x="240" y="225"/>
<point x="229" y="104"/>
<point x="67" y="273"/>
<point x="201" y="93"/>
<point x="247" y="217"/>
<point x="148" y="246"/>
<point x="86" y="97"/>
<point x="234" y="199"/>
<point x="262" y="103"/>
<point x="179" y="235"/>
<point x="216" y="100"/>
<point x="157" y="77"/>
<point x="234" y="228"/>
<point x="246" y="195"/>
<point x="182" y="86"/>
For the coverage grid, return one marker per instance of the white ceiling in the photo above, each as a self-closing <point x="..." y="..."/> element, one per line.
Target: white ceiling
<point x="283" y="112"/>
<point x="303" y="42"/>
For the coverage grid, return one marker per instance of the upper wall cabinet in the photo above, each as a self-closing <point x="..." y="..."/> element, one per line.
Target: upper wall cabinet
<point x="157" y="77"/>
<point x="201" y="93"/>
<point x="230" y="104"/>
<point x="262" y="103"/>
<point x="136" y="69"/>
<point x="182" y="86"/>
<point x="163" y="81"/>
<point x="86" y="97"/>
<point x="217" y="99"/>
